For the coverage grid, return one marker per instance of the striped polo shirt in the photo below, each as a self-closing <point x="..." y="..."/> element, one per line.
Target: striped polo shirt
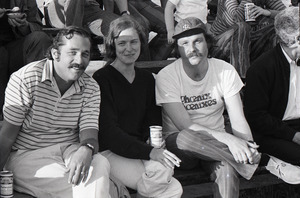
<point x="34" y="102"/>
<point x="231" y="11"/>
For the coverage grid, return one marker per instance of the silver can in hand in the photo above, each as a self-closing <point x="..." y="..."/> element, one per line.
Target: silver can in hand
<point x="156" y="136"/>
<point x="6" y="181"/>
<point x="247" y="12"/>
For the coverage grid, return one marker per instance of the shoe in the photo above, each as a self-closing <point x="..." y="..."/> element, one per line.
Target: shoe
<point x="283" y="170"/>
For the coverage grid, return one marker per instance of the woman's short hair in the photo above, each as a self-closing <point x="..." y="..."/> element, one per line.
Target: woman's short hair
<point x="116" y="27"/>
<point x="67" y="33"/>
<point x="287" y="25"/>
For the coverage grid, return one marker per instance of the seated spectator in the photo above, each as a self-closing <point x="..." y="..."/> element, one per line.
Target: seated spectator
<point x="272" y="92"/>
<point x="240" y="41"/>
<point x="61" y="13"/>
<point x="127" y="110"/>
<point x="21" y="40"/>
<point x="151" y="17"/>
<point x="193" y="92"/>
<point x="49" y="137"/>
<point x="184" y="9"/>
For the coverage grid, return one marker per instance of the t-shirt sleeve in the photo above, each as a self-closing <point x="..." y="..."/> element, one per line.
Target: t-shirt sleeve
<point x="167" y="90"/>
<point x="232" y="83"/>
<point x="17" y="100"/>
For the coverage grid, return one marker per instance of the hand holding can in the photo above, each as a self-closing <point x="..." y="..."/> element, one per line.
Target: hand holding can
<point x="156" y="139"/>
<point x="248" y="12"/>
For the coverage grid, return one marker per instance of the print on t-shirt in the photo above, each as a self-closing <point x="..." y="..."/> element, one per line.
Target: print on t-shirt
<point x="198" y="102"/>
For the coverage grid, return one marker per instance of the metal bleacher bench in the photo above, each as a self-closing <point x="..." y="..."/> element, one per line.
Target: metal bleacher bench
<point x="197" y="184"/>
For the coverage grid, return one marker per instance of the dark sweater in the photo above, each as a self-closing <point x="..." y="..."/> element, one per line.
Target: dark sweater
<point x="126" y="112"/>
<point x="266" y="96"/>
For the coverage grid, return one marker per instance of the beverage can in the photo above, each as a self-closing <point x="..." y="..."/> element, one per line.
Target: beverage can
<point x="156" y="136"/>
<point x="6" y="187"/>
<point x="247" y="12"/>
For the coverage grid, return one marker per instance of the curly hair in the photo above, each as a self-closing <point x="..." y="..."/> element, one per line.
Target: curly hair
<point x="67" y="33"/>
<point x="115" y="28"/>
<point x="287" y="25"/>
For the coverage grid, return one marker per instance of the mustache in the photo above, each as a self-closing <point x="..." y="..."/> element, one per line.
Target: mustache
<point x="77" y="65"/>
<point x="194" y="54"/>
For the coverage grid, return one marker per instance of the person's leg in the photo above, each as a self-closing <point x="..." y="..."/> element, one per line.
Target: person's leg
<point x="263" y="38"/>
<point x="93" y="12"/>
<point x="159" y="47"/>
<point x="188" y="160"/>
<point x="145" y="55"/>
<point x="163" y="3"/>
<point x="204" y="146"/>
<point x="240" y="48"/>
<point x="226" y="179"/>
<point x="149" y="178"/>
<point x="285" y="150"/>
<point x="48" y="175"/>
<point x="30" y="48"/>
<point x="61" y="13"/>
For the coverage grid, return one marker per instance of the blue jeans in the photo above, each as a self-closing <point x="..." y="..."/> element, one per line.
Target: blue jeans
<point x="194" y="147"/>
<point x="152" y="17"/>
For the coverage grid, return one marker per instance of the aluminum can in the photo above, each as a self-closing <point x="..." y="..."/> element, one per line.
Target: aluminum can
<point x="6" y="181"/>
<point x="247" y="12"/>
<point x="156" y="136"/>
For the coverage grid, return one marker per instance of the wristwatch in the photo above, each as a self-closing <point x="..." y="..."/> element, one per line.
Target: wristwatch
<point x="89" y="146"/>
<point x="125" y="12"/>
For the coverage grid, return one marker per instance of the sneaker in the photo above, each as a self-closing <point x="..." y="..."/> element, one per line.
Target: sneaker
<point x="285" y="171"/>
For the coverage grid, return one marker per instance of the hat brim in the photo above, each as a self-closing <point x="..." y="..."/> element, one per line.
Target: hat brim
<point x="189" y="32"/>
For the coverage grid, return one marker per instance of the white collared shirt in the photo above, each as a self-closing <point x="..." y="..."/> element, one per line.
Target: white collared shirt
<point x="293" y="106"/>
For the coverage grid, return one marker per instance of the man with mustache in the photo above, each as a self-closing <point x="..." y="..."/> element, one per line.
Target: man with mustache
<point x="193" y="92"/>
<point x="49" y="137"/>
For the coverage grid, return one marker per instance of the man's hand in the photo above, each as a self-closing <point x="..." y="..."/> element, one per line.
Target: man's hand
<point x="240" y="150"/>
<point x="256" y="11"/>
<point x="79" y="165"/>
<point x="165" y="157"/>
<point x="296" y="138"/>
<point x="256" y="156"/>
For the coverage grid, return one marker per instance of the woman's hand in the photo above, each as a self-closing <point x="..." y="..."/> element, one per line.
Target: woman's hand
<point x="165" y="157"/>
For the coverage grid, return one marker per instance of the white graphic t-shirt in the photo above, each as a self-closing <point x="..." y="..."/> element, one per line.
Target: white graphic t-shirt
<point x="203" y="100"/>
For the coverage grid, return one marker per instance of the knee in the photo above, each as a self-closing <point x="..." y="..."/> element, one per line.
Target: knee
<point x="100" y="162"/>
<point x="226" y="173"/>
